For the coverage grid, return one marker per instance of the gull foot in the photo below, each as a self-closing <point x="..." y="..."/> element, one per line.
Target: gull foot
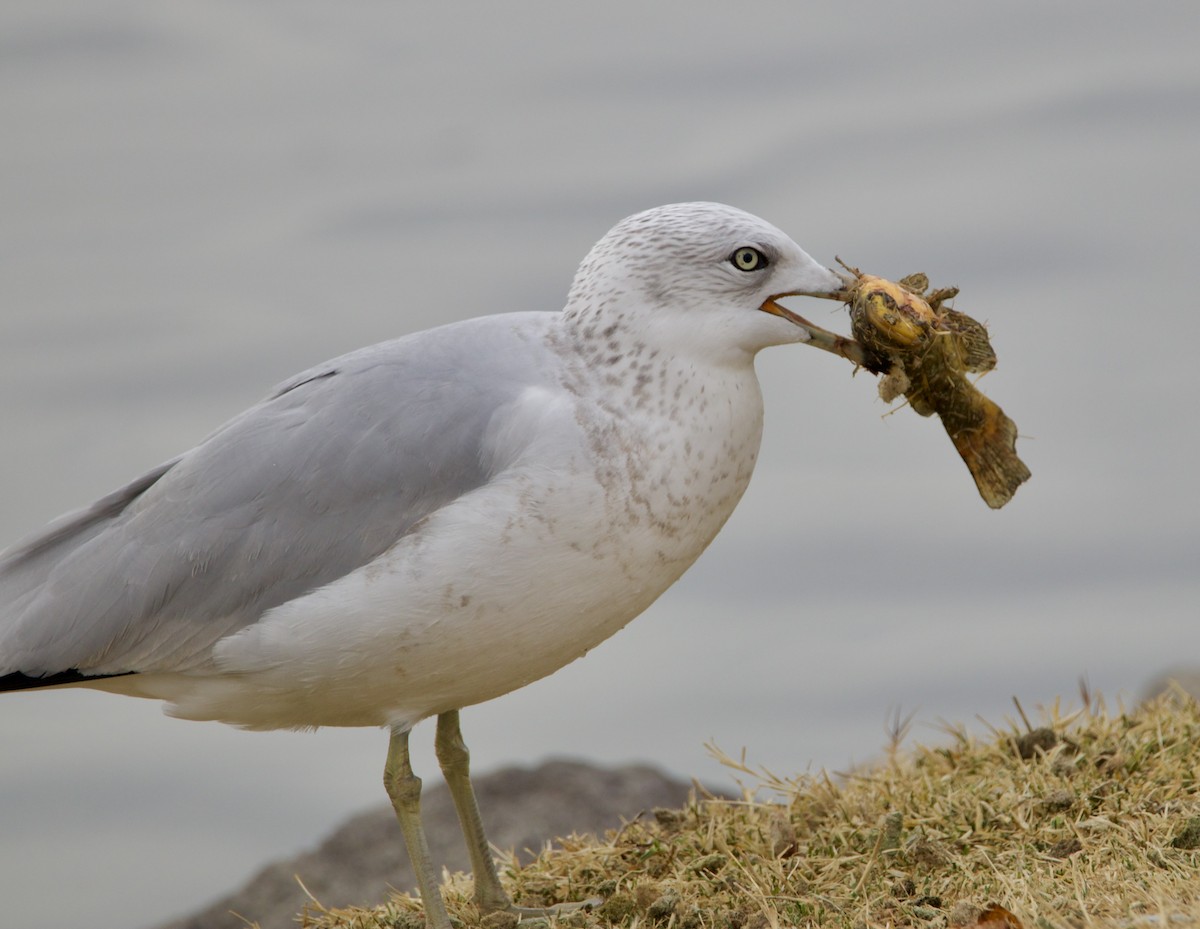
<point x="558" y="909"/>
<point x="510" y="915"/>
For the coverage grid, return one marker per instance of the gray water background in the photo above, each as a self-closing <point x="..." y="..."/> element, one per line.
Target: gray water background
<point x="198" y="199"/>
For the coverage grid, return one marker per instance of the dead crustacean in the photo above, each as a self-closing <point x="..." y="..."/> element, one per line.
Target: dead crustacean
<point x="925" y="350"/>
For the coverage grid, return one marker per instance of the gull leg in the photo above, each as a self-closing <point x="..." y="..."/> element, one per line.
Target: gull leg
<point x="404" y="788"/>
<point x="455" y="761"/>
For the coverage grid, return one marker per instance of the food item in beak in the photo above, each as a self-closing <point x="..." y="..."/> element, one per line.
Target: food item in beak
<point x="926" y="351"/>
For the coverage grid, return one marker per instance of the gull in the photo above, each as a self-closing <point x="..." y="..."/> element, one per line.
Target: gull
<point x="434" y="521"/>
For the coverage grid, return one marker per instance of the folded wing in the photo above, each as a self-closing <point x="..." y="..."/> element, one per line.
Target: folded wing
<point x="308" y="485"/>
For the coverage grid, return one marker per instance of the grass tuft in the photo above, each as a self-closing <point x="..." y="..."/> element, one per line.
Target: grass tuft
<point x="1089" y="818"/>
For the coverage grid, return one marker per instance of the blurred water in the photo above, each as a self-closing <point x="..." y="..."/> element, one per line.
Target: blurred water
<point x="198" y="199"/>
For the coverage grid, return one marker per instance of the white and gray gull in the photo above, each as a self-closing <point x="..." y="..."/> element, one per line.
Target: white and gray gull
<point x="433" y="521"/>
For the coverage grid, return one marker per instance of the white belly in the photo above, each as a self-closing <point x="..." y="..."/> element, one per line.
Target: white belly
<point x="504" y="586"/>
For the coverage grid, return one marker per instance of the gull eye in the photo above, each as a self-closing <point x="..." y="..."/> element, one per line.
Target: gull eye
<point x="748" y="259"/>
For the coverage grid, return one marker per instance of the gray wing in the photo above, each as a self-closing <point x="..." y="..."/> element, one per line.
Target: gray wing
<point x="315" y="481"/>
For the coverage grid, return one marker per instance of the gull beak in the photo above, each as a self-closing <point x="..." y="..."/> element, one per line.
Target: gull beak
<point x="821" y="338"/>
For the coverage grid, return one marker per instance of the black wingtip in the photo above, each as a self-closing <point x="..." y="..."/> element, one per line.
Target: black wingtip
<point x="18" y="681"/>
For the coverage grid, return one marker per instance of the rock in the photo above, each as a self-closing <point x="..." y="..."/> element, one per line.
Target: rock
<point x="1188" y="679"/>
<point x="361" y="861"/>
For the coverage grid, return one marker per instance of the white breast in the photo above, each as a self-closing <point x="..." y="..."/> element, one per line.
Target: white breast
<point x="598" y="512"/>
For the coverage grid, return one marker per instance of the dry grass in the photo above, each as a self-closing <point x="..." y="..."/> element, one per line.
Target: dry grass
<point x="1088" y="819"/>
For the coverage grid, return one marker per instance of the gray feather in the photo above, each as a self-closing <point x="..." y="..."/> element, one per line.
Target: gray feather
<point x="310" y="484"/>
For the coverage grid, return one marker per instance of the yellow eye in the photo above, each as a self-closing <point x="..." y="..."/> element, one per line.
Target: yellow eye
<point x="748" y="259"/>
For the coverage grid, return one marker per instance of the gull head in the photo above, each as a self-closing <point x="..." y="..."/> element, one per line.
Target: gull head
<point x="703" y="275"/>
